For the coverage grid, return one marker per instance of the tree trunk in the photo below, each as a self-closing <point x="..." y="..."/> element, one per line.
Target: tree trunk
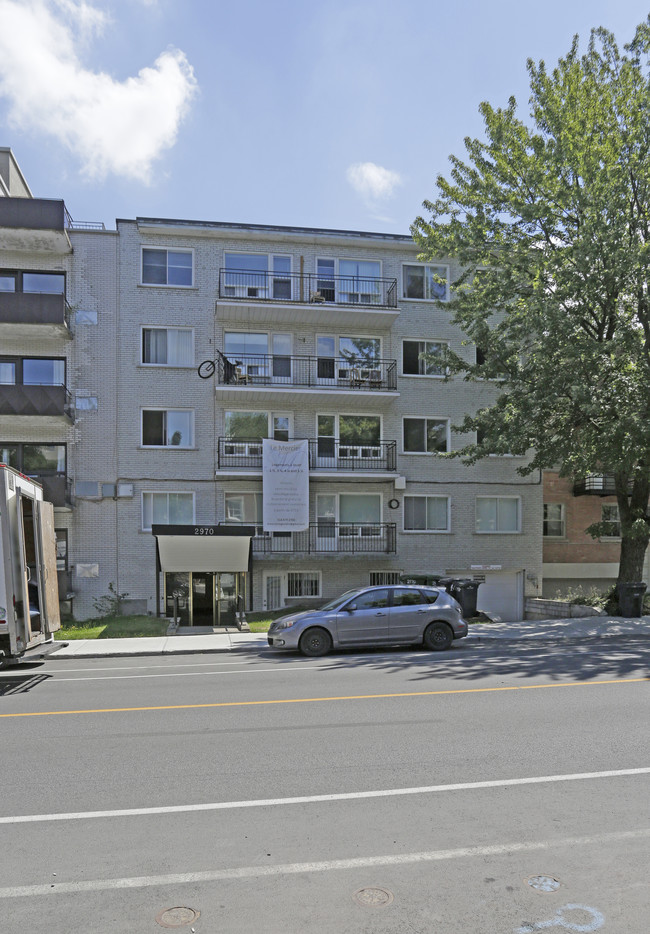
<point x="635" y="530"/>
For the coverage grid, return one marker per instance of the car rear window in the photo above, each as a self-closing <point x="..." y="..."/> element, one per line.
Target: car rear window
<point x="430" y="596"/>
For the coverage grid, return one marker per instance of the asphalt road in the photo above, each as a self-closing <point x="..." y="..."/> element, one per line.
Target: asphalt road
<point x="500" y="791"/>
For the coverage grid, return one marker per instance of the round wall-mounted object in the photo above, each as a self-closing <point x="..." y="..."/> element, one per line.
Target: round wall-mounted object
<point x="393" y="503"/>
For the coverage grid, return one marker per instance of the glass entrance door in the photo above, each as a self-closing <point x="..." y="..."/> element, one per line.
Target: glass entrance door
<point x="202" y="599"/>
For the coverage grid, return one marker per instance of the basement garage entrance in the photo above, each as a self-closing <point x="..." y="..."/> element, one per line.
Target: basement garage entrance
<point x="205" y="571"/>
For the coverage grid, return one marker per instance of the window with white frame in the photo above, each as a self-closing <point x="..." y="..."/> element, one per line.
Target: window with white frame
<point x="425" y="435"/>
<point x="417" y="358"/>
<point x="304" y="584"/>
<point x="253" y="426"/>
<point x="498" y="514"/>
<point x="357" y="514"/>
<point x="168" y="346"/>
<point x="553" y="525"/>
<point x="425" y="282"/>
<point x="257" y="275"/>
<point x="167" y="267"/>
<point x="426" y="513"/>
<point x="167" y="509"/>
<point x="611" y="520"/>
<point x="168" y="428"/>
<point x="349" y="281"/>
<point x="384" y="578"/>
<point x="245" y="508"/>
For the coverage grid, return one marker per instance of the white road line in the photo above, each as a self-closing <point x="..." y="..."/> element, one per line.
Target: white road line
<point x="363" y="862"/>
<point x="146" y="667"/>
<point x="188" y="674"/>
<point x="312" y="799"/>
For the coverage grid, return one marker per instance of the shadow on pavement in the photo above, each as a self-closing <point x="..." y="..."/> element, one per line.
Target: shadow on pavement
<point x="470" y="662"/>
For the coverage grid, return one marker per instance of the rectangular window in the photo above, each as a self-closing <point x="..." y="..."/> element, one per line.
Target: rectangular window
<point x="50" y="283"/>
<point x="414" y="362"/>
<point x="38" y="371"/>
<point x="426" y="435"/>
<point x="611" y="521"/>
<point x="384" y="578"/>
<point x="349" y="281"/>
<point x="167" y="509"/>
<point x="258" y="275"/>
<point x="553" y="523"/>
<point x="7" y="373"/>
<point x="167" y="267"/>
<point x="168" y="346"/>
<point x="303" y="584"/>
<point x="498" y="514"/>
<point x="245" y="509"/>
<point x="425" y="282"/>
<point x="426" y="513"/>
<point x="167" y="428"/>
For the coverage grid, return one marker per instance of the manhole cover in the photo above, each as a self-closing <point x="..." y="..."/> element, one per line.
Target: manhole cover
<point x="544" y="883"/>
<point x="373" y="897"/>
<point x="176" y="917"/>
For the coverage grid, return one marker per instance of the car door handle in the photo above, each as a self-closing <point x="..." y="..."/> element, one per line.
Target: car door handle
<point x="380" y="614"/>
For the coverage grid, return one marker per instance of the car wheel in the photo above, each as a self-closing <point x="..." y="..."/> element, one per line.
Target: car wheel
<point x="315" y="642"/>
<point x="438" y="637"/>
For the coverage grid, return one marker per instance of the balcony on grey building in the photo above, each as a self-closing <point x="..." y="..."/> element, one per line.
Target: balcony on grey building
<point x="602" y="484"/>
<point x="45" y="463"/>
<point x="333" y="538"/>
<point x="325" y="298"/>
<point x="47" y="404"/>
<point x="34" y="225"/>
<point x="280" y="376"/>
<point x="326" y="454"/>
<point x="33" y="314"/>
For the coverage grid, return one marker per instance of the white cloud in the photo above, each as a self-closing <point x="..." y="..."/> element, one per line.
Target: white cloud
<point x="112" y="127"/>
<point x="373" y="182"/>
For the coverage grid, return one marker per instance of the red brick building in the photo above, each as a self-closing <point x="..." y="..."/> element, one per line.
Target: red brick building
<point x="571" y="557"/>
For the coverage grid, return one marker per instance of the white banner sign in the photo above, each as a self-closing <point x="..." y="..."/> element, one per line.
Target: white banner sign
<point x="285" y="485"/>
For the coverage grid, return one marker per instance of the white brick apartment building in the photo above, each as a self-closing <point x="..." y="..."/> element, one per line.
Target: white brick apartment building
<point x="315" y="334"/>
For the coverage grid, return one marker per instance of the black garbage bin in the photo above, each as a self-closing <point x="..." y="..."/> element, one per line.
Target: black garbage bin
<point x="466" y="592"/>
<point x="630" y="598"/>
<point x="447" y="583"/>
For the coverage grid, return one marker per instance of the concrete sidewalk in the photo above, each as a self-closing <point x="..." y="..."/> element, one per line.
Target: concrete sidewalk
<point x="551" y="630"/>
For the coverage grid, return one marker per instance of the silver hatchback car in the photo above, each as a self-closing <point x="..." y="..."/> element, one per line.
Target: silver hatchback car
<point x="371" y="616"/>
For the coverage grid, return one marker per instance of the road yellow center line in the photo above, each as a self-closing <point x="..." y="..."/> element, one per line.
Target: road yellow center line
<point x="317" y="700"/>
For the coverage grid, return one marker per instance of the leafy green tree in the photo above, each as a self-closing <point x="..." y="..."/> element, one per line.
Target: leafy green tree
<point x="549" y="222"/>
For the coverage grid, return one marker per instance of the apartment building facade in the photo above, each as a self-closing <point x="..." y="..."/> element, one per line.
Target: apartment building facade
<point x="311" y="334"/>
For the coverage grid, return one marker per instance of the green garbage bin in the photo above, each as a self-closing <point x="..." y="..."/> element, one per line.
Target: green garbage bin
<point x="630" y="598"/>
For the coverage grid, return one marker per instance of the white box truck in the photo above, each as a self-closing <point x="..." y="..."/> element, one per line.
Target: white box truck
<point x="29" y="593"/>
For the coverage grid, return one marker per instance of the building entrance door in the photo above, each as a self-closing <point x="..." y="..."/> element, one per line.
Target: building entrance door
<point x="202" y="598"/>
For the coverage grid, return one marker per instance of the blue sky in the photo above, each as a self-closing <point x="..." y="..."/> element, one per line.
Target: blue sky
<point x="330" y="113"/>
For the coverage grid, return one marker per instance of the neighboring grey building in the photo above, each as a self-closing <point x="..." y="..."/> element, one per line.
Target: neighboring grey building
<point x="314" y="334"/>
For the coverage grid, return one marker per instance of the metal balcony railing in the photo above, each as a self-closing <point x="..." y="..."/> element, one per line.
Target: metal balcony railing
<point x="307" y="288"/>
<point x="57" y="488"/>
<point x="326" y="537"/>
<point x="597" y="485"/>
<point x="324" y="454"/>
<point x="315" y="372"/>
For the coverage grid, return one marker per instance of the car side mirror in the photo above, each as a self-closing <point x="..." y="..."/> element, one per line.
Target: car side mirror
<point x="351" y="607"/>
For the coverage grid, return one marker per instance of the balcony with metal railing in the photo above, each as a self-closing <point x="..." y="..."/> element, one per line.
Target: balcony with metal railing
<point x="247" y="295"/>
<point x="57" y="489"/>
<point x="325" y="454"/>
<point x="34" y="314"/>
<point x="329" y="538"/>
<point x="602" y="484"/>
<point x="251" y="375"/>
